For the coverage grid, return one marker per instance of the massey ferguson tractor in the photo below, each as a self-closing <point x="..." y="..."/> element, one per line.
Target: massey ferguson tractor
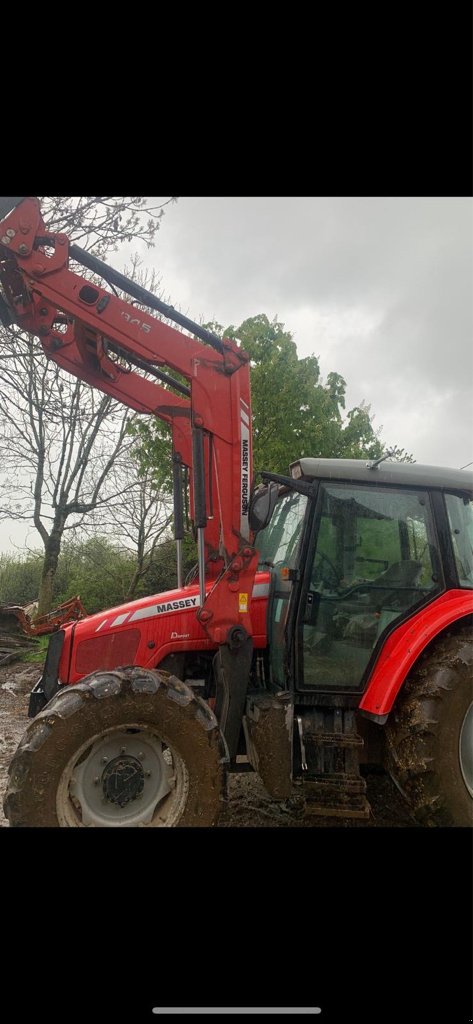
<point x="330" y="626"/>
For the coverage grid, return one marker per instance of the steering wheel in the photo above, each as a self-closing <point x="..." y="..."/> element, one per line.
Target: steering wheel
<point x="318" y="576"/>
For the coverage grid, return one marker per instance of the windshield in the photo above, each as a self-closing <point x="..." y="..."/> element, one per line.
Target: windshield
<point x="279" y="542"/>
<point x="460" y="517"/>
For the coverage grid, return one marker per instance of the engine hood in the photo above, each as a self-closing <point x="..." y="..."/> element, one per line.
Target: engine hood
<point x="169" y="602"/>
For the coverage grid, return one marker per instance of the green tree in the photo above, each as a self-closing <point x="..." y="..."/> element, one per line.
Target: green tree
<point x="295" y="413"/>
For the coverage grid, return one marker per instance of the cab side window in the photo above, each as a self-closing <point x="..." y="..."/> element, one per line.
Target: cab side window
<point x="375" y="558"/>
<point x="460" y="518"/>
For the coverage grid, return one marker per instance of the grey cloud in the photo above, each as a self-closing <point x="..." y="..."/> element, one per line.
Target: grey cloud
<point x="405" y="263"/>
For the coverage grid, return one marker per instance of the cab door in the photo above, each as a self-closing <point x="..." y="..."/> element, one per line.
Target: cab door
<point x="373" y="560"/>
<point x="279" y="548"/>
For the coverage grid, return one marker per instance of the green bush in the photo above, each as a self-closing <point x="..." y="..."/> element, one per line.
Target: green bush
<point x="19" y="578"/>
<point x="96" y="569"/>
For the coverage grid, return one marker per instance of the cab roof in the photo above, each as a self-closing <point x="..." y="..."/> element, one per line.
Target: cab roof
<point x="394" y="473"/>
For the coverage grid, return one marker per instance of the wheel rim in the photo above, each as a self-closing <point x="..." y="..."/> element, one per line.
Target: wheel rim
<point x="123" y="777"/>
<point x="466" y="750"/>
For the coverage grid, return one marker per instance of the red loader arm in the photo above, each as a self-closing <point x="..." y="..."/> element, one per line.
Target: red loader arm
<point x="110" y="344"/>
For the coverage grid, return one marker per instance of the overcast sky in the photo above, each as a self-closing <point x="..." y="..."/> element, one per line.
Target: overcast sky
<point x="380" y="289"/>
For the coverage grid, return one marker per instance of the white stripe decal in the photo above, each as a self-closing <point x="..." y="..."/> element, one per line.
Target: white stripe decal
<point x="245" y="418"/>
<point x="183" y="604"/>
<point x="119" y="620"/>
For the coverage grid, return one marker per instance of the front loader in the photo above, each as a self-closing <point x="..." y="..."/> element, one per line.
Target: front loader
<point x="330" y="626"/>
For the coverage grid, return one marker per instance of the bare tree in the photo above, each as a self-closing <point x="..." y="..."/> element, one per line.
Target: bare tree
<point x="59" y="441"/>
<point x="138" y="517"/>
<point x="103" y="223"/>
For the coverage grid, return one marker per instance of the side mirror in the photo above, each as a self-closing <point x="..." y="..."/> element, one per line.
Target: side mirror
<point x="262" y="503"/>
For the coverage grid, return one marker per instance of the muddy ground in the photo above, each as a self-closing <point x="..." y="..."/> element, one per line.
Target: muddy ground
<point x="248" y="806"/>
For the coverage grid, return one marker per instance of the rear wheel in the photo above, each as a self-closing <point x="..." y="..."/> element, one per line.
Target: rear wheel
<point x="127" y="748"/>
<point x="430" y="734"/>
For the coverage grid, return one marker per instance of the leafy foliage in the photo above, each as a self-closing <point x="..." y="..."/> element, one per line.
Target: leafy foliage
<point x="20" y="578"/>
<point x="98" y="569"/>
<point x="295" y="412"/>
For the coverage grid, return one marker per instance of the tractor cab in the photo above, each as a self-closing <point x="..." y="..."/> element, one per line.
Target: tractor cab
<point x="357" y="554"/>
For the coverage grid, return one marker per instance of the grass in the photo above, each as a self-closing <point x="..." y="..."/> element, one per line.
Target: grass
<point x="37" y="655"/>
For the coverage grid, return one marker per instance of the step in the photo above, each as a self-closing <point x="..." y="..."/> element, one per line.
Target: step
<point x="336" y="797"/>
<point x="333" y="739"/>
<point x="362" y="813"/>
<point x="352" y="782"/>
<point x="329" y="745"/>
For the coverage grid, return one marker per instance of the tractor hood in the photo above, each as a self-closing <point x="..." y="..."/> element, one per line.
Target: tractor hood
<point x="157" y="606"/>
<point x="144" y="632"/>
<point x="167" y="603"/>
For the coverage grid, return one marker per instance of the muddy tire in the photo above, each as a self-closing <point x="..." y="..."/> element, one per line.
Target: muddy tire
<point x="130" y="747"/>
<point x="429" y="734"/>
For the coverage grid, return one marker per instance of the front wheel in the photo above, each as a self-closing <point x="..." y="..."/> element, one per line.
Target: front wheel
<point x="430" y="734"/>
<point x="131" y="747"/>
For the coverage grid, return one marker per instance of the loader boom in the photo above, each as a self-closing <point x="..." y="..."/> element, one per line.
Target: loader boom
<point x="131" y="355"/>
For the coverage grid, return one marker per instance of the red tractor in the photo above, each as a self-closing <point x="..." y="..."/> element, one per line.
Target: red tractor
<point x="330" y="625"/>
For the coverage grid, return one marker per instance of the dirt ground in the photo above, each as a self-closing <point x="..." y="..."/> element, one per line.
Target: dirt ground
<point x="248" y="805"/>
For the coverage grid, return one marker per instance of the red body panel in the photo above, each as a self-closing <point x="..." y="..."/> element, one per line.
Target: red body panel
<point x="405" y="644"/>
<point x="122" y="635"/>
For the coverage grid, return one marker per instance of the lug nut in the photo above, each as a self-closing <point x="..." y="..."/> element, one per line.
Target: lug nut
<point x="96" y="780"/>
<point x="122" y="750"/>
<point x="148" y="775"/>
<point x="104" y="760"/>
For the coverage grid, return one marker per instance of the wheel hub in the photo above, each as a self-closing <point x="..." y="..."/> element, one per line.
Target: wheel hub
<point x="123" y="780"/>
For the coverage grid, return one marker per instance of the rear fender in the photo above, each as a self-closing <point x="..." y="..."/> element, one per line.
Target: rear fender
<point x="403" y="647"/>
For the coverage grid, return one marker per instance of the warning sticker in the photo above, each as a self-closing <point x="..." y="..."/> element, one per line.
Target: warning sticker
<point x="243" y="602"/>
